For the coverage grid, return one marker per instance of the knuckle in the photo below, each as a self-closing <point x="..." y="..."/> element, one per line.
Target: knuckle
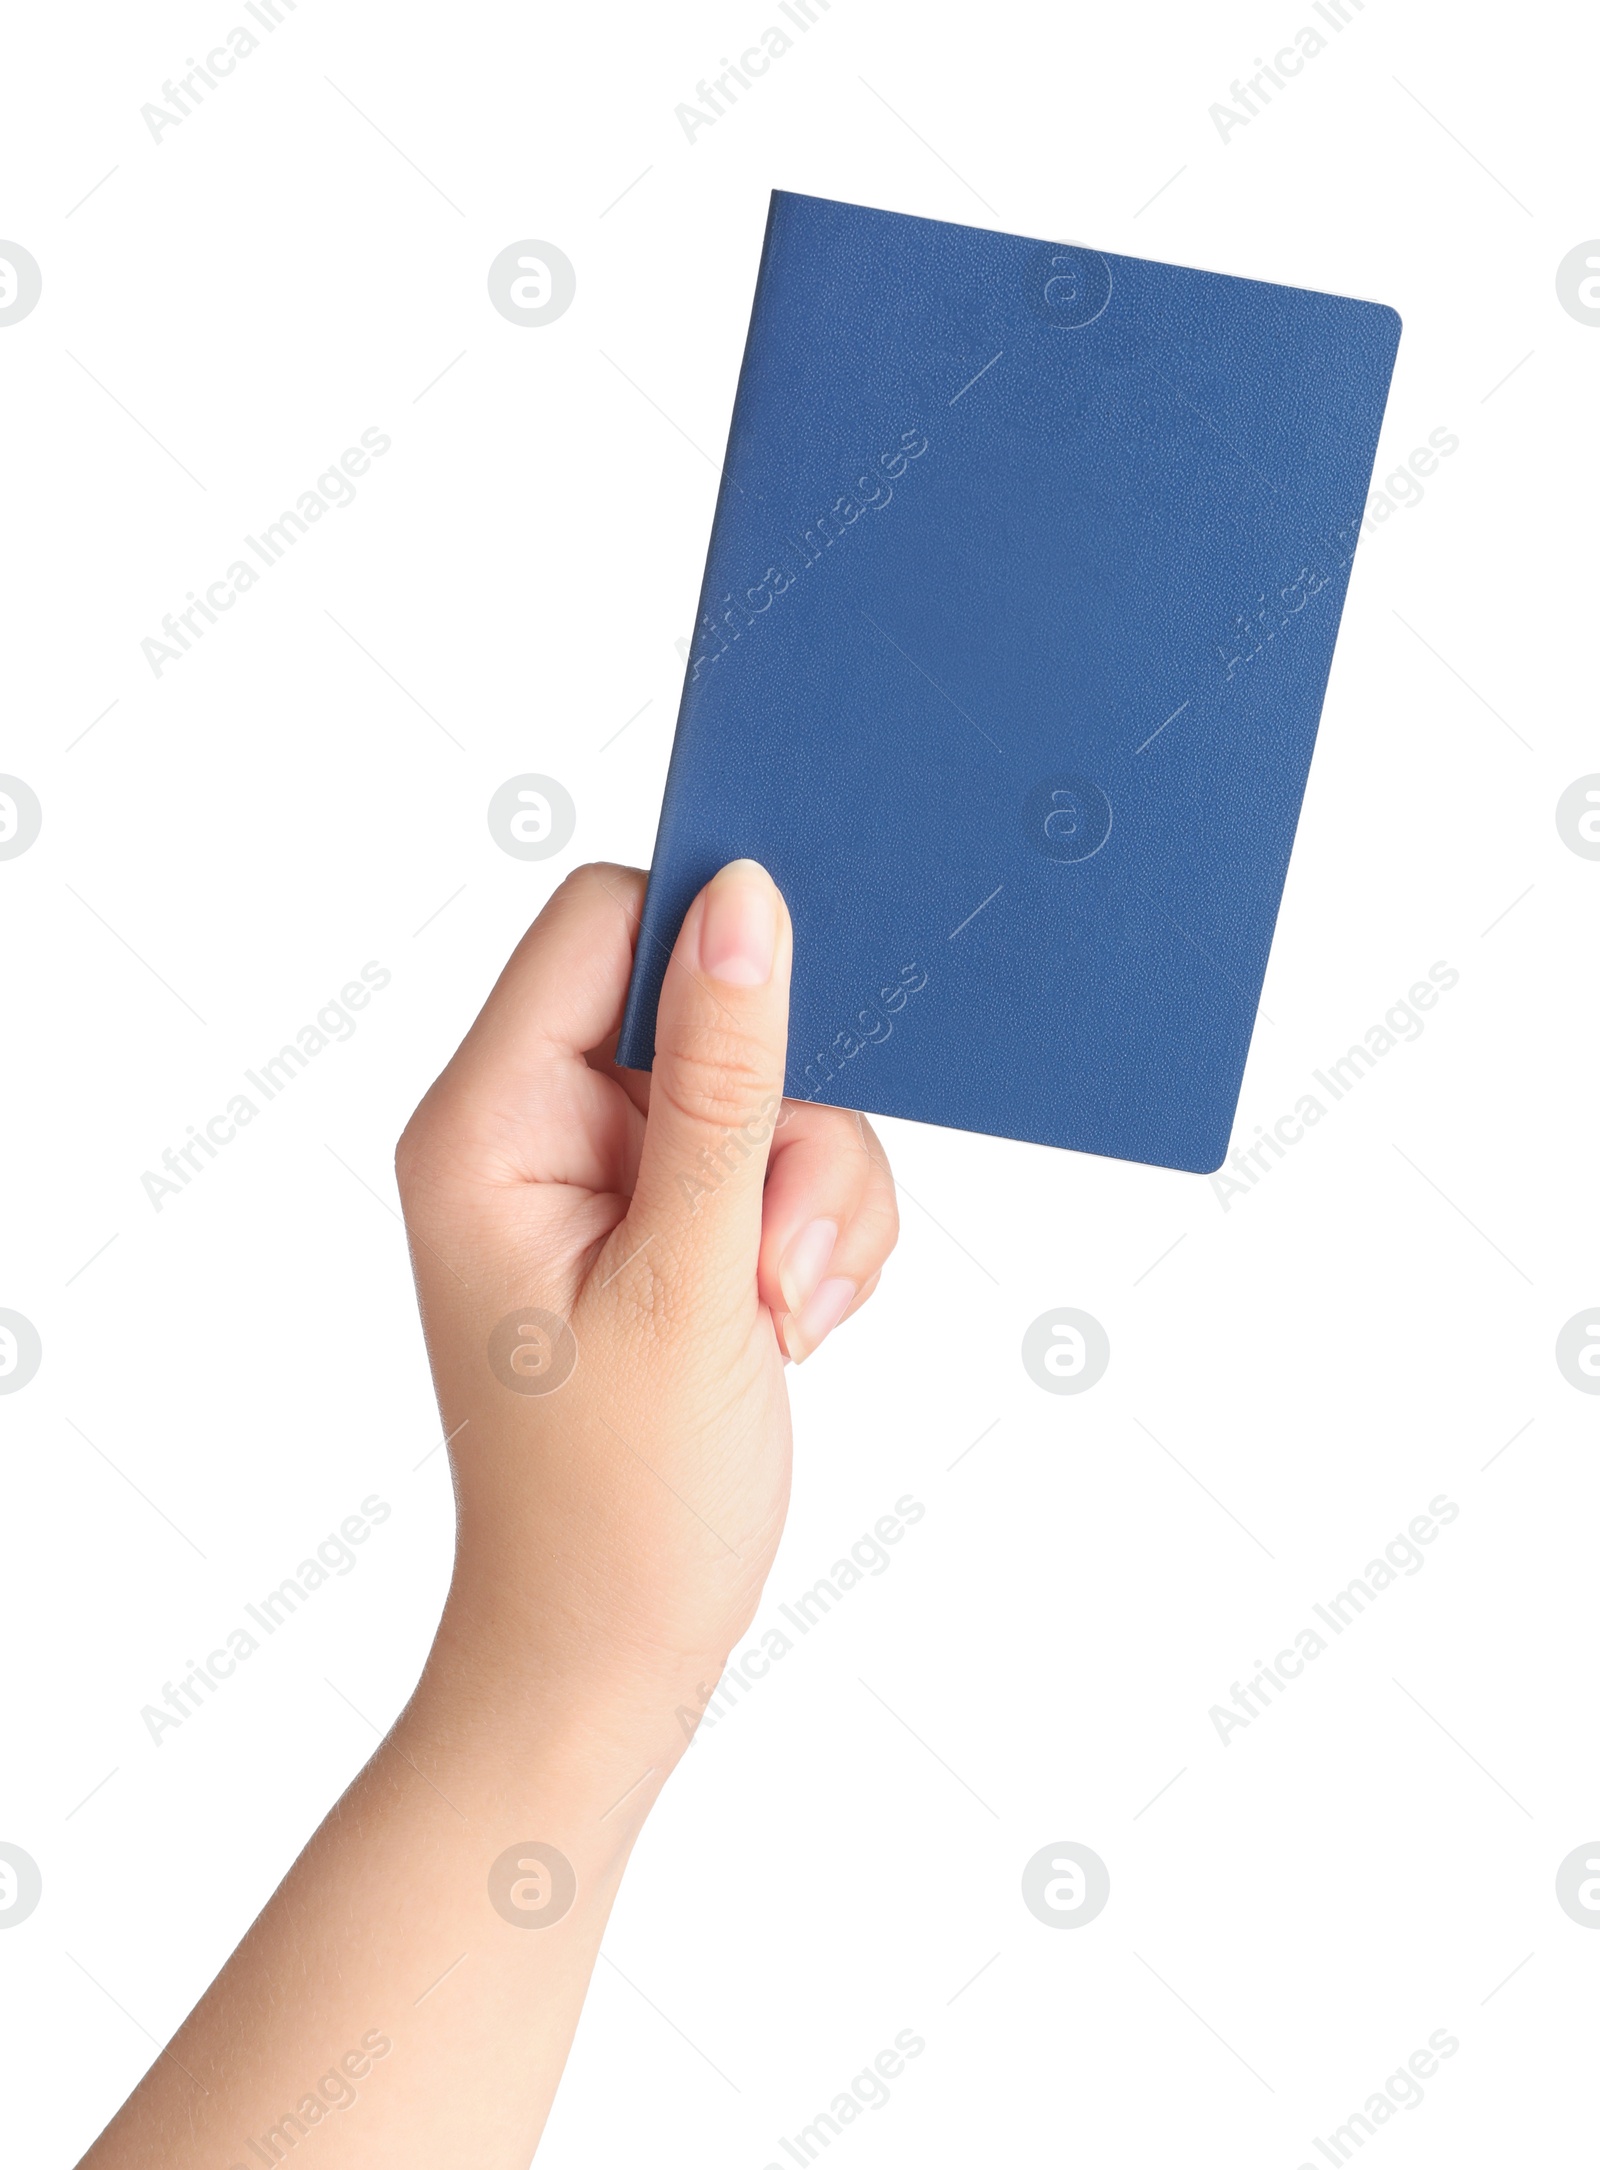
<point x="618" y="882"/>
<point x="721" y="1079"/>
<point x="422" y="1151"/>
<point x="598" y="874"/>
<point x="410" y="1155"/>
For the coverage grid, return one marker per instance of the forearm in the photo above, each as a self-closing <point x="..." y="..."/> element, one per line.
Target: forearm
<point x="386" y="1930"/>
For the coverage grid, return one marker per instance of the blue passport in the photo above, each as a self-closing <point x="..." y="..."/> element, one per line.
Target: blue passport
<point x="1018" y="613"/>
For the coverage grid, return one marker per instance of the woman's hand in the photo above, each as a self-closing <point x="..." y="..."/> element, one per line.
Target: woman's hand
<point x="612" y="1269"/>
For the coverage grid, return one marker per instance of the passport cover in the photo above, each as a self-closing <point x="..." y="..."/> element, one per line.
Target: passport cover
<point x="1020" y="602"/>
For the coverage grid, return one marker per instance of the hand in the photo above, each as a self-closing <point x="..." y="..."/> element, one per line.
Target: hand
<point x="681" y="1235"/>
<point x="691" y="1228"/>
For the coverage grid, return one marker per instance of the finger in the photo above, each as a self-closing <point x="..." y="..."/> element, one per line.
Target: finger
<point x="830" y="1221"/>
<point x="517" y="1098"/>
<point x="717" y="1084"/>
<point x="824" y="1162"/>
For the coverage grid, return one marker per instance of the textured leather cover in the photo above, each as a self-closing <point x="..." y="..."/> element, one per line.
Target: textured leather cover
<point x="1018" y="613"/>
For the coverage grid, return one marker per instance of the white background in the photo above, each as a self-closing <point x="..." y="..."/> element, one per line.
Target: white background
<point x="1289" y="1386"/>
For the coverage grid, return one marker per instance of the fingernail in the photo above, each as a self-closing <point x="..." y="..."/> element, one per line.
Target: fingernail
<point x="739" y="926"/>
<point x="820" y="1316"/>
<point x="806" y="1261"/>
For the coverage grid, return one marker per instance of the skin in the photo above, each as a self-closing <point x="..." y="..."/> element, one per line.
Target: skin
<point x="614" y="1532"/>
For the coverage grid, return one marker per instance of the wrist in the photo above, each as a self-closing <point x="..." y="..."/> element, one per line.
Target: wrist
<point x="549" y="1714"/>
<point x="612" y="1635"/>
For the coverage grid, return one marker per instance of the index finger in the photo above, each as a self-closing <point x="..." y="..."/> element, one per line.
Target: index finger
<point x="506" y="1096"/>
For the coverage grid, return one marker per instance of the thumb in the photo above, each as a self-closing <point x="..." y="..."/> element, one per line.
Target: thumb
<point x="716" y="1091"/>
